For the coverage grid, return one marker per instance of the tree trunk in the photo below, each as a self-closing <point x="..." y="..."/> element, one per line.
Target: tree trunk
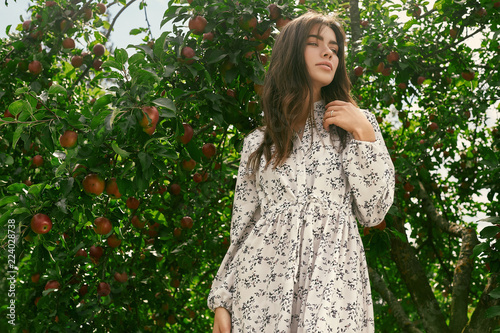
<point x="417" y="283"/>
<point x="478" y="322"/>
<point x="397" y="309"/>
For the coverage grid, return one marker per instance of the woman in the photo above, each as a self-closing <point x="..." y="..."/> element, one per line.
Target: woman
<point x="296" y="262"/>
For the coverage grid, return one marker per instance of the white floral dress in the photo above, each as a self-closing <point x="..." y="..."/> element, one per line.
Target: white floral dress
<point x="296" y="261"/>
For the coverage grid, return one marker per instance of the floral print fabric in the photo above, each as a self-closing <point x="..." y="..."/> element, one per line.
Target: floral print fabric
<point x="296" y="261"/>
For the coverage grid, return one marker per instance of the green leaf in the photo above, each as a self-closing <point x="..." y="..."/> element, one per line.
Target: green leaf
<point x="101" y="102"/>
<point x="119" y="151"/>
<point x="20" y="91"/>
<point x="35" y="189"/>
<point x="492" y="219"/>
<point x="21" y="210"/>
<point x="7" y="200"/>
<point x="135" y="31"/>
<point x="493" y="311"/>
<point x="216" y="56"/>
<point x="112" y="64"/>
<point x="17" y="134"/>
<point x="56" y="89"/>
<point x="490" y="231"/>
<point x="16" y="188"/>
<point x="19" y="106"/>
<point x="121" y="56"/>
<point x="165" y="102"/>
<point x="479" y="248"/>
<point x="495" y="293"/>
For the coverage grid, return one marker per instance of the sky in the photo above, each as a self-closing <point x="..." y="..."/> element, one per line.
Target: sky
<point x="10" y="15"/>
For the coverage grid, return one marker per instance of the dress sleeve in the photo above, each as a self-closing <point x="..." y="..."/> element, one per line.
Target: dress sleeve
<point x="370" y="175"/>
<point x="246" y="211"/>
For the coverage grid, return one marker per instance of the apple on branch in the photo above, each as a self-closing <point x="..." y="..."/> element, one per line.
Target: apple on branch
<point x="41" y="223"/>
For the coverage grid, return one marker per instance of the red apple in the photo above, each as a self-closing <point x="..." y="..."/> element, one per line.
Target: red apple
<point x="282" y="22"/>
<point x="41" y="223"/>
<point x="408" y="187"/>
<point x="358" y="71"/>
<point x="35" y="67"/>
<point x="27" y="25"/>
<point x="121" y="277"/>
<point x="188" y="53"/>
<point x="381" y="225"/>
<point x="392" y="56"/>
<point x="274" y="11"/>
<point x="113" y="241"/>
<point x="136" y="222"/>
<point x="188" y="164"/>
<point x="77" y="61"/>
<point x="188" y="134"/>
<point x="197" y="25"/>
<point x="402" y="86"/>
<point x="102" y="225"/>
<point x="68" y="43"/>
<point x="102" y="8"/>
<point x="420" y="80"/>
<point x="83" y="290"/>
<point x="112" y="189"/>
<point x="87" y="13"/>
<point x="97" y="64"/>
<point x="248" y="23"/>
<point x="133" y="203"/>
<point x="96" y="251"/>
<point x="93" y="184"/>
<point x="186" y="222"/>
<point x="261" y="35"/>
<point x="208" y="150"/>
<point x="68" y="139"/>
<point x="365" y="23"/>
<point x="209" y="36"/>
<point x="98" y="49"/>
<point x="197" y="178"/>
<point x="37" y="160"/>
<point x="81" y="253"/>
<point x="453" y="33"/>
<point x="150" y="118"/>
<point x="468" y="76"/>
<point x="52" y="284"/>
<point x="103" y="289"/>
<point x="433" y="126"/>
<point x="175" y="189"/>
<point x="35" y="278"/>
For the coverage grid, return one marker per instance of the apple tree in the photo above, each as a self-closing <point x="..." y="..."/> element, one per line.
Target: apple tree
<point x="118" y="165"/>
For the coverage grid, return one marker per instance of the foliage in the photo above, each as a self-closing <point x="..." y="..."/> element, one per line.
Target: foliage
<point x="433" y="115"/>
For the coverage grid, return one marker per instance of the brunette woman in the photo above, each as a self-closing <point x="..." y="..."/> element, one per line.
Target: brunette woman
<point x="318" y="166"/>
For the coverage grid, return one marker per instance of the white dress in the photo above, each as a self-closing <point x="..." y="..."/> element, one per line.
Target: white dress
<point x="296" y="261"/>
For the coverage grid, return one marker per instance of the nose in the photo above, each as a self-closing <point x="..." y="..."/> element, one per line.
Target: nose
<point x="327" y="53"/>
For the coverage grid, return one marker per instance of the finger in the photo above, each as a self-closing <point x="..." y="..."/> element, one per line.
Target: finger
<point x="337" y="103"/>
<point x="327" y="122"/>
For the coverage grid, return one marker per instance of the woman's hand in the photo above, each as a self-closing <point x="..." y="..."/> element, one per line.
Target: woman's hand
<point x="347" y="116"/>
<point x="222" y="321"/>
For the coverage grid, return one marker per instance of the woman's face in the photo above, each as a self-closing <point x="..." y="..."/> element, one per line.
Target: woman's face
<point x="321" y="57"/>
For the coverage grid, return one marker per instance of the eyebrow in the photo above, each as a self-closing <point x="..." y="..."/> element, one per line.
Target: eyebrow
<point x="321" y="38"/>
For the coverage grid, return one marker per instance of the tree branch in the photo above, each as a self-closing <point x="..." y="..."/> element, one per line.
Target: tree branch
<point x="479" y="323"/>
<point x="397" y="309"/>
<point x="433" y="215"/>
<point x="462" y="280"/>
<point x="416" y="280"/>
<point x="116" y="17"/>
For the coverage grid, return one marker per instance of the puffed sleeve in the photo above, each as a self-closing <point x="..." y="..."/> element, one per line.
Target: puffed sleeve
<point x="246" y="211"/>
<point x="370" y="175"/>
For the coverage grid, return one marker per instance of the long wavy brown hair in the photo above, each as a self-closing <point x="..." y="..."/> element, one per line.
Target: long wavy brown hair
<point x="287" y="88"/>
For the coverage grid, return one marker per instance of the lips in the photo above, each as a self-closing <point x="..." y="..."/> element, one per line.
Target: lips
<point x="325" y="63"/>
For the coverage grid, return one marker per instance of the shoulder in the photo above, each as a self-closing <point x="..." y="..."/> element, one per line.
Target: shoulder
<point x="253" y="139"/>
<point x="370" y="116"/>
